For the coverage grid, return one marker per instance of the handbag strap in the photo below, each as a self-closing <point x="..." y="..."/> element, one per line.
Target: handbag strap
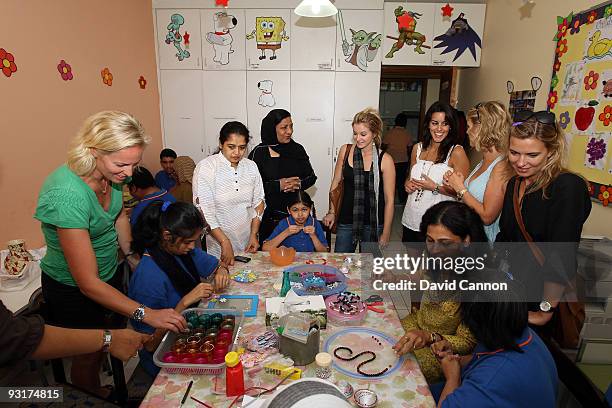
<point x="535" y="250"/>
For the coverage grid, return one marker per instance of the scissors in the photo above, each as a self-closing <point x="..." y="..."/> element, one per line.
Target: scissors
<point x="373" y="301"/>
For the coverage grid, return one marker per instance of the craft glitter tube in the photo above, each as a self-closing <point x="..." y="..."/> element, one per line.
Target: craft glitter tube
<point x="227" y="328"/>
<point x="224" y="335"/>
<point x="212" y="330"/>
<point x="210" y="337"/>
<point x="222" y="343"/>
<point x="218" y="355"/>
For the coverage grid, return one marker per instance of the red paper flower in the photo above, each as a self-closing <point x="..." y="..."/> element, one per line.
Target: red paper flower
<point x="591" y="188"/>
<point x="575" y="25"/>
<point x="592" y="17"/>
<point x="557" y="65"/>
<point x="552" y="99"/>
<point x="65" y="70"/>
<point x="561" y="47"/>
<point x="142" y="82"/>
<point x="604" y="195"/>
<point x="7" y="62"/>
<point x="447" y="11"/>
<point x="107" y="77"/>
<point x="221" y="3"/>
<point x="590" y="81"/>
<point x="606" y="115"/>
<point x="562" y="29"/>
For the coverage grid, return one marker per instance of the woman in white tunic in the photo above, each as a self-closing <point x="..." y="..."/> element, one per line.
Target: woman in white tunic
<point x="229" y="191"/>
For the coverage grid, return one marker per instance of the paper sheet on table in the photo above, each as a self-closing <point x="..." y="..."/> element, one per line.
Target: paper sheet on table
<point x="252" y="402"/>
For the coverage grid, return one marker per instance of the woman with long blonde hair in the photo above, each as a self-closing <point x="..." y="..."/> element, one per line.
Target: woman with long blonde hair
<point x="488" y="127"/>
<point x="80" y="207"/>
<point x="368" y="175"/>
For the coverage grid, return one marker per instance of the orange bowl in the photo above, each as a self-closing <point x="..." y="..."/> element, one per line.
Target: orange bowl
<point x="282" y="256"/>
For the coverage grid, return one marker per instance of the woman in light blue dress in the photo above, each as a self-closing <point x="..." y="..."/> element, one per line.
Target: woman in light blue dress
<point x="483" y="190"/>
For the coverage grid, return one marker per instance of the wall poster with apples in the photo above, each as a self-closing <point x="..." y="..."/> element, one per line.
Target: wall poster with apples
<point x="581" y="95"/>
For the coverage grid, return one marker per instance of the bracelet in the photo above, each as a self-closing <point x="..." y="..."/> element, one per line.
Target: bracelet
<point x="461" y="193"/>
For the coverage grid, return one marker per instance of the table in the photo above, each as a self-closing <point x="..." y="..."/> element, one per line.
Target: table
<point x="405" y="388"/>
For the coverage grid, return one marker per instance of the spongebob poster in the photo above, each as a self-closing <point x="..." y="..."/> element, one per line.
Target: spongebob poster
<point x="581" y="95"/>
<point x="268" y="39"/>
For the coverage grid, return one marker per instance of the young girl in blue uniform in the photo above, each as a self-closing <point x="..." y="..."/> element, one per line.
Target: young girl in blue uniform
<point x="300" y="230"/>
<point x="172" y="269"/>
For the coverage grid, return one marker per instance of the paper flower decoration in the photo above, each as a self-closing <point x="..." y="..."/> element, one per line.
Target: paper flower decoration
<point x="591" y="188"/>
<point x="7" y="62"/>
<point x="590" y="81"/>
<point x="557" y="65"/>
<point x="606" y="115"/>
<point x="552" y="99"/>
<point x="554" y="81"/>
<point x="564" y="119"/>
<point x="604" y="195"/>
<point x="592" y="17"/>
<point x="221" y="3"/>
<point x="608" y="11"/>
<point x="561" y="47"/>
<point x="142" y="82"/>
<point x="107" y="77"/>
<point x="575" y="25"/>
<point x="65" y="70"/>
<point x="562" y="29"/>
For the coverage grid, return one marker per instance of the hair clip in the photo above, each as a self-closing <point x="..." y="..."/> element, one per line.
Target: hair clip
<point x="165" y="206"/>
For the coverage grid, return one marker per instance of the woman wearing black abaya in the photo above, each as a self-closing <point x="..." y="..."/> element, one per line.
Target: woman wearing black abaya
<point x="284" y="167"/>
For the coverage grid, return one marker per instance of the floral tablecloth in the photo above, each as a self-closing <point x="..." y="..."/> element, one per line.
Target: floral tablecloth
<point x="406" y="387"/>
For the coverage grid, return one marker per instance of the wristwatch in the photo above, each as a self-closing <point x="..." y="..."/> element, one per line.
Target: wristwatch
<point x="139" y="314"/>
<point x="546" y="307"/>
<point x="461" y="193"/>
<point x="107" y="337"/>
<point x="436" y="190"/>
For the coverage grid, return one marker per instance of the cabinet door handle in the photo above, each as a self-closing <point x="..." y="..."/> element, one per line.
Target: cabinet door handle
<point x="184" y="117"/>
<point x="224" y="118"/>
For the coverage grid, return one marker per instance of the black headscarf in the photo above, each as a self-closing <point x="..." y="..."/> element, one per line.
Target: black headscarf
<point x="291" y="150"/>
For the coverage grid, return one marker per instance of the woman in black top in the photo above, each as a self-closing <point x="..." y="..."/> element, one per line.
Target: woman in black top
<point x="554" y="204"/>
<point x="284" y="167"/>
<point x="368" y="177"/>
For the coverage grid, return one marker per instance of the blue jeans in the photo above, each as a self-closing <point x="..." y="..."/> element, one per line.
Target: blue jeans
<point x="344" y="237"/>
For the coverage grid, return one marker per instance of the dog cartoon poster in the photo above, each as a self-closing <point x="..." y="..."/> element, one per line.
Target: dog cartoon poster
<point x="580" y="95"/>
<point x="266" y="90"/>
<point x="408" y="33"/>
<point x="178" y="39"/>
<point x="359" y="40"/>
<point x="268" y="39"/>
<point x="223" y="32"/>
<point x="458" y="34"/>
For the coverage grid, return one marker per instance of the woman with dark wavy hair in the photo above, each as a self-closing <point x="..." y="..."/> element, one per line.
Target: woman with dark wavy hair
<point x="431" y="159"/>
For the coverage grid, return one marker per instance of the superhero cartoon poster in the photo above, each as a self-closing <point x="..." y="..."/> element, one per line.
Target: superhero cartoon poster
<point x="408" y="34"/>
<point x="268" y="39"/>
<point x="458" y="34"/>
<point x="580" y="94"/>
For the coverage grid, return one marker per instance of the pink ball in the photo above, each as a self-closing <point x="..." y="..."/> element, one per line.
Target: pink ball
<point x="170" y="358"/>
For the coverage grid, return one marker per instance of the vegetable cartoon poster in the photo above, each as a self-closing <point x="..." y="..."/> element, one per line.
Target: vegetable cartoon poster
<point x="581" y="95"/>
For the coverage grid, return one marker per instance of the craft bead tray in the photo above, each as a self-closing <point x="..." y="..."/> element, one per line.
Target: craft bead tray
<point x="170" y="339"/>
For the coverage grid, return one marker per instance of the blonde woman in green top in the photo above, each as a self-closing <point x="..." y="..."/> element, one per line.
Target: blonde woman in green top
<point x="84" y="224"/>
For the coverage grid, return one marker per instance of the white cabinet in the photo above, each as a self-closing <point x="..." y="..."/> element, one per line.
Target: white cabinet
<point x="359" y="40"/>
<point x="312" y="100"/>
<point x="265" y="90"/>
<point x="457" y="39"/>
<point x="178" y="39"/>
<point x="415" y="47"/>
<point x="182" y="112"/>
<point x="268" y="39"/>
<point x="313" y="43"/>
<point x="354" y="91"/>
<point x="224" y="101"/>
<point x="223" y="39"/>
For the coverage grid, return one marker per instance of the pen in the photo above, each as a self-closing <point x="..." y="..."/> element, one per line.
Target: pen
<point x="187" y="392"/>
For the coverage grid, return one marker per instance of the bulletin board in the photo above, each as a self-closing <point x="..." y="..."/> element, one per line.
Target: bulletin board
<point x="581" y="95"/>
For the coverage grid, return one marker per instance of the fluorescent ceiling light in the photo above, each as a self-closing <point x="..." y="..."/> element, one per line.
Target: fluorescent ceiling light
<point x="315" y="8"/>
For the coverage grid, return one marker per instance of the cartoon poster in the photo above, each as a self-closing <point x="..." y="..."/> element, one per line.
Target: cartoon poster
<point x="266" y="90"/>
<point x="408" y="33"/>
<point x="359" y="40"/>
<point x="178" y="39"/>
<point x="223" y="33"/>
<point x="268" y="39"/>
<point x="581" y="94"/>
<point x="458" y="34"/>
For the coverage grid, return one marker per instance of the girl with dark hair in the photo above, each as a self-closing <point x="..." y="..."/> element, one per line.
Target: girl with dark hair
<point x="300" y="230"/>
<point x="229" y="192"/>
<point x="431" y="159"/>
<point x="171" y="271"/>
<point x="284" y="167"/>
<point x="510" y="365"/>
<point x="450" y="228"/>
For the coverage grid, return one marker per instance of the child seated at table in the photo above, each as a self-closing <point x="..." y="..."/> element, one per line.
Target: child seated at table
<point x="171" y="271"/>
<point x="300" y="230"/>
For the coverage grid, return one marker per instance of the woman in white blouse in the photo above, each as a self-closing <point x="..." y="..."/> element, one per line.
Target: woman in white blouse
<point x="229" y="191"/>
